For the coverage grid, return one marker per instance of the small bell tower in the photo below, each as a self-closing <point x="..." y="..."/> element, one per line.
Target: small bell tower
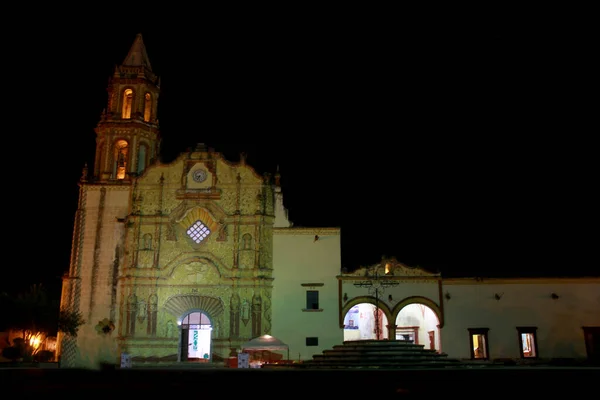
<point x="128" y="135"/>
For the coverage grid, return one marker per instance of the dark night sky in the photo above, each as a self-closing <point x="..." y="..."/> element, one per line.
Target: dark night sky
<point x="459" y="149"/>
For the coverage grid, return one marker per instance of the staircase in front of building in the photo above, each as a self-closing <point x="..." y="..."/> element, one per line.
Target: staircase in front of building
<point x="377" y="354"/>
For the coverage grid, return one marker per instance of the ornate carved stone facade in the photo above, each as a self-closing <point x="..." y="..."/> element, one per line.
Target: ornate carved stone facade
<point x="229" y="269"/>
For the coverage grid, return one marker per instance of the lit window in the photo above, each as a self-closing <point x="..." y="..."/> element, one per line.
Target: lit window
<point x="121" y="150"/>
<point x="147" y="106"/>
<point x="127" y="103"/>
<point x="198" y="231"/>
<point x="478" y="338"/>
<point x="527" y="342"/>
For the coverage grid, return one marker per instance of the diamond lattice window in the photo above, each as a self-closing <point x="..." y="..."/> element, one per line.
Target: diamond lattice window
<point x="198" y="231"/>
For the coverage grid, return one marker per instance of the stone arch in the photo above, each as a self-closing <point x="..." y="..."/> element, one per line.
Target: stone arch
<point x="147" y="106"/>
<point x="147" y="241"/>
<point x="182" y="304"/>
<point x="127" y="102"/>
<point x="214" y="268"/>
<point x="121" y="156"/>
<point x="246" y="241"/>
<point x="211" y="318"/>
<point x="196" y="342"/>
<point x="418" y="300"/>
<point x="199" y="213"/>
<point x="366" y="299"/>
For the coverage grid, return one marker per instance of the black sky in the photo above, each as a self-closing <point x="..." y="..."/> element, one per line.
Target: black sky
<point x="456" y="148"/>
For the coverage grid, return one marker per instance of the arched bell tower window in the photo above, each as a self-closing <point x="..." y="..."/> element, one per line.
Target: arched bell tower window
<point x="147" y="107"/>
<point x="142" y="155"/>
<point x="127" y="103"/>
<point x="121" y="150"/>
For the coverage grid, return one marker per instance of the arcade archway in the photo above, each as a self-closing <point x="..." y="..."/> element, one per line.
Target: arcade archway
<point x="365" y="321"/>
<point x="420" y="324"/>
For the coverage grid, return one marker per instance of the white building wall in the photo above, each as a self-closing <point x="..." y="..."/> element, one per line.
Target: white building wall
<point x="522" y="303"/>
<point x="298" y="259"/>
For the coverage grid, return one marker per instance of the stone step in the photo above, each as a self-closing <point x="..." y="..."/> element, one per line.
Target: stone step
<point x="370" y="358"/>
<point x="356" y="346"/>
<point x="380" y="344"/>
<point x="378" y="354"/>
<point x="380" y="364"/>
<point x="385" y="342"/>
<point x="383" y="349"/>
<point x="398" y="361"/>
<point x="382" y="353"/>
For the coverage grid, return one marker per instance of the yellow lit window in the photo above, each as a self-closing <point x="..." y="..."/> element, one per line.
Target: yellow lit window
<point x="127" y="103"/>
<point x="528" y="342"/>
<point x="479" y="346"/>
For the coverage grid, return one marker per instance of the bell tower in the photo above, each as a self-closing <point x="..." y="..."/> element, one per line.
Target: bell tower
<point x="128" y="135"/>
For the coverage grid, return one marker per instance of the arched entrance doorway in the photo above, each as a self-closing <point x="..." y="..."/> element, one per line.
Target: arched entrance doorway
<point x="418" y="323"/>
<point x="364" y="321"/>
<point x="196" y="329"/>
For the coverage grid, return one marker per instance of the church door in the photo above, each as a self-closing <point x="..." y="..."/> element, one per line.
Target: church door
<point x="184" y="344"/>
<point x="196" y="338"/>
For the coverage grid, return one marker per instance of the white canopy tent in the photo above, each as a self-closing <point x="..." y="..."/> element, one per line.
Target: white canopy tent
<point x="265" y="342"/>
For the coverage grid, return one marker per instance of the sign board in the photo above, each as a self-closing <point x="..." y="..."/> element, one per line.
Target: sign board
<point x="125" y="360"/>
<point x="199" y="343"/>
<point x="243" y="360"/>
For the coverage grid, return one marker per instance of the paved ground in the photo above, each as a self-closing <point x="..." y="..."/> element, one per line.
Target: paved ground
<point x="265" y="383"/>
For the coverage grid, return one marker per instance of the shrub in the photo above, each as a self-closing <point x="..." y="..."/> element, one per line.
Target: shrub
<point x="13" y="353"/>
<point x="44" y="356"/>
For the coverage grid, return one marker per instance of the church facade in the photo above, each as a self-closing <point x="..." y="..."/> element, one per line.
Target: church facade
<point x="186" y="261"/>
<point x="175" y="262"/>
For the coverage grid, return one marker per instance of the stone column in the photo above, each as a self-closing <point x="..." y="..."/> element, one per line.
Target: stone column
<point x="391" y="331"/>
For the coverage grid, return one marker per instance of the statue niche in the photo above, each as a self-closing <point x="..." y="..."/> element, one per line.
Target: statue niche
<point x="132" y="306"/>
<point x="145" y="257"/>
<point x="170" y="329"/>
<point x="152" y="310"/>
<point x="245" y="312"/>
<point x="234" y="316"/>
<point x="147" y="241"/>
<point x="247" y="253"/>
<point x="256" y="315"/>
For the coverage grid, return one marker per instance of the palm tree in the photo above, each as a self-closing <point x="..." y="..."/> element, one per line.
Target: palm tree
<point x="35" y="316"/>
